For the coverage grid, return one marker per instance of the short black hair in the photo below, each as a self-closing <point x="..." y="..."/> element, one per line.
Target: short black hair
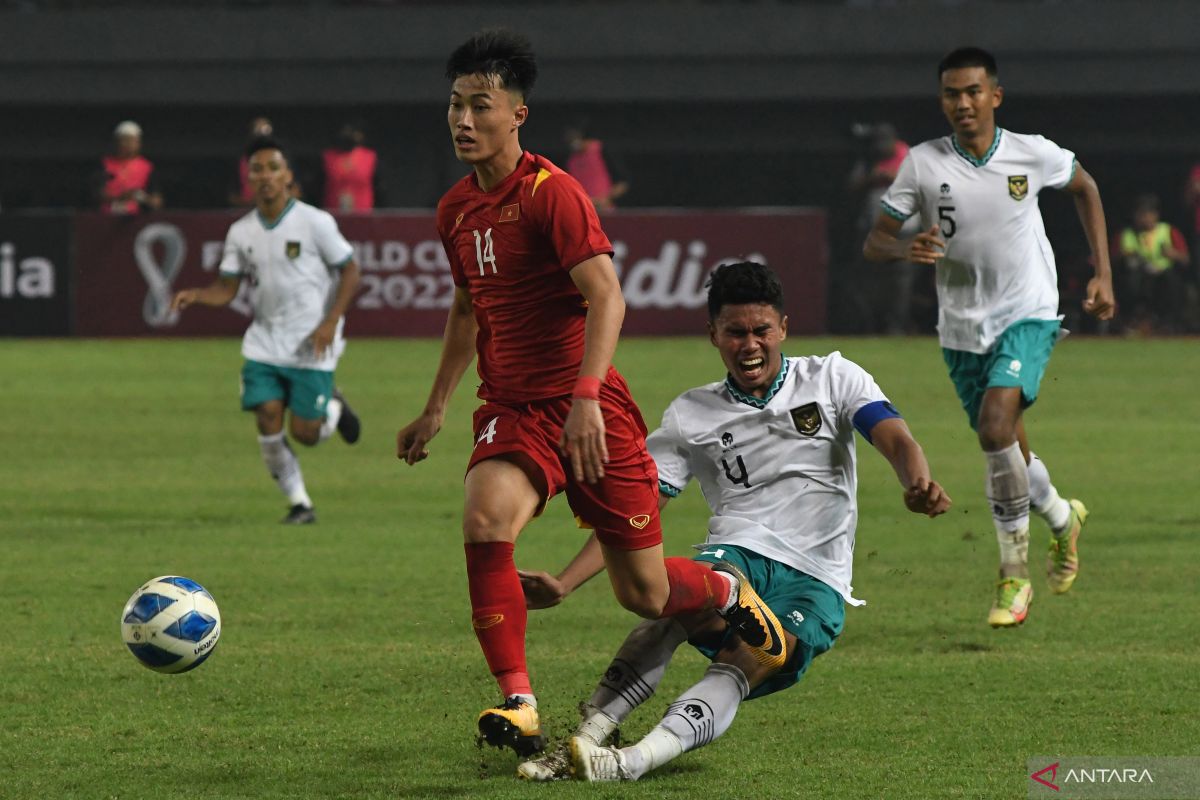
<point x="741" y="283"/>
<point x="1146" y="202"/>
<point x="969" y="57"/>
<point x="266" y="143"/>
<point x="500" y="52"/>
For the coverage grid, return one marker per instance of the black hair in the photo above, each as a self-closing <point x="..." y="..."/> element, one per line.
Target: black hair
<point x="1146" y="202"/>
<point x="496" y="51"/>
<point x="266" y="143"/>
<point x="969" y="57"/>
<point x="741" y="283"/>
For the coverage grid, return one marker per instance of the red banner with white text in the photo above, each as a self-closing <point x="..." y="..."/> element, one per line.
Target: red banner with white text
<point x="128" y="267"/>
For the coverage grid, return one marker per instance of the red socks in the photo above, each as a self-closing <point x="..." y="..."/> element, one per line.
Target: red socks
<point x="693" y="587"/>
<point x="498" y="613"/>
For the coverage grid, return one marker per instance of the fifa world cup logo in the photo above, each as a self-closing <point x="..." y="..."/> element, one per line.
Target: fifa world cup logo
<point x="155" y="240"/>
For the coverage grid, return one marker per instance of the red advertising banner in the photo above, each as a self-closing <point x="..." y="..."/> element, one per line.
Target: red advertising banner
<point x="127" y="268"/>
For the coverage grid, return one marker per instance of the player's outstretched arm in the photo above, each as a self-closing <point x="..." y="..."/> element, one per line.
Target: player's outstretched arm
<point x="543" y="590"/>
<point x="219" y="293"/>
<point x="583" y="432"/>
<point x="323" y="336"/>
<point x="1100" y="301"/>
<point x="922" y="494"/>
<point x="458" y="349"/>
<point x="884" y="243"/>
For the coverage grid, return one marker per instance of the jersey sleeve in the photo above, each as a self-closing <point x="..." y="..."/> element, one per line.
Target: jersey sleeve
<point x="858" y="399"/>
<point x="233" y="264"/>
<point x="903" y="197"/>
<point x="1058" y="164"/>
<point x="565" y="214"/>
<point x="667" y="448"/>
<point x="334" y="249"/>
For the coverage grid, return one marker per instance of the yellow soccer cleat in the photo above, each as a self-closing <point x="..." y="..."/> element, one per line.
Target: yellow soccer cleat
<point x="1062" y="563"/>
<point x="1013" y="596"/>
<point x="754" y="622"/>
<point x="515" y="725"/>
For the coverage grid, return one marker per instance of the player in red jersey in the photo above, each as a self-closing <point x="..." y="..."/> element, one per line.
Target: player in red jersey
<point x="537" y="294"/>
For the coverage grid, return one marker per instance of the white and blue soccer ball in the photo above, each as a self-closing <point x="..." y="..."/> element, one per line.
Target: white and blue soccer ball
<point x="171" y="624"/>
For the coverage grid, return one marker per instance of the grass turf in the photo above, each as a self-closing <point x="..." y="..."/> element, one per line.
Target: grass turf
<point x="348" y="667"/>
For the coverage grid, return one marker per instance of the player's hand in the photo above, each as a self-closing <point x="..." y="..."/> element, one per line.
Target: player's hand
<point x="412" y="438"/>
<point x="322" y="337"/>
<point x="926" y="497"/>
<point x="582" y="440"/>
<point x="1100" y="302"/>
<point x="926" y="247"/>
<point x="182" y="299"/>
<point x="542" y="590"/>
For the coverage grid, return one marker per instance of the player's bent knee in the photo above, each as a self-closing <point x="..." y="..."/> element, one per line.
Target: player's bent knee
<point x="481" y="526"/>
<point x="306" y="432"/>
<point x="645" y="602"/>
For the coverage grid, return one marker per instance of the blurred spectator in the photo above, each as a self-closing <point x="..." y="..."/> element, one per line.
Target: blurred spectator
<point x="600" y="173"/>
<point x="127" y="183"/>
<point x="1191" y="196"/>
<point x="351" y="171"/>
<point x="242" y="195"/>
<point x="1153" y="259"/>
<point x="877" y="297"/>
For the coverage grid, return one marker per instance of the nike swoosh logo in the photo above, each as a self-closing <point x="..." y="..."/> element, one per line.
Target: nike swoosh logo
<point x="773" y="646"/>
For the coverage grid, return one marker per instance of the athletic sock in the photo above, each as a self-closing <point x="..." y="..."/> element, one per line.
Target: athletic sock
<point x="635" y="671"/>
<point x="333" y="413"/>
<point x="1008" y="494"/>
<point x="498" y="613"/>
<point x="1044" y="498"/>
<point x="693" y="587"/>
<point x="701" y="714"/>
<point x="284" y="468"/>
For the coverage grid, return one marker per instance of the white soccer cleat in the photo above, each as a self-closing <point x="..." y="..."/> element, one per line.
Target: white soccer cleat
<point x="554" y="765"/>
<point x="595" y="764"/>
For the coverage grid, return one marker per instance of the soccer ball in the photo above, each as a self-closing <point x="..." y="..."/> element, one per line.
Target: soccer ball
<point x="171" y="624"/>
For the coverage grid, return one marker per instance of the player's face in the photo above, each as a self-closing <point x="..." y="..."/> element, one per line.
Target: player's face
<point x="270" y="175"/>
<point x="128" y="146"/>
<point x="749" y="338"/>
<point x="969" y="100"/>
<point x="483" y="117"/>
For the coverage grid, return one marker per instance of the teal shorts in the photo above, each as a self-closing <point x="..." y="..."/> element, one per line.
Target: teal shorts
<point x="304" y="391"/>
<point x="809" y="609"/>
<point x="1018" y="358"/>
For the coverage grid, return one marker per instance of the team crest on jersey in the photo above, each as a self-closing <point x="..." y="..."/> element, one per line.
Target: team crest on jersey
<point x="510" y="213"/>
<point x="1018" y="186"/>
<point x="293" y="250"/>
<point x="807" y="419"/>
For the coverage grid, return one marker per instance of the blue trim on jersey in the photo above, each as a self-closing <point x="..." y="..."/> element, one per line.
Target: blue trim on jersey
<point x="871" y="415"/>
<point x="978" y="162"/>
<point x="291" y="203"/>
<point x="751" y="400"/>
<point x="893" y="212"/>
<point x="668" y="489"/>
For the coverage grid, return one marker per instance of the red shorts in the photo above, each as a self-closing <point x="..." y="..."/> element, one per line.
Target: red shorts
<point x="622" y="506"/>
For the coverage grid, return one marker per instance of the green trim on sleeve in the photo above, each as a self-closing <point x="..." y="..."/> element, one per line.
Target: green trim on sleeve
<point x="667" y="489"/>
<point x="343" y="262"/>
<point x="893" y="212"/>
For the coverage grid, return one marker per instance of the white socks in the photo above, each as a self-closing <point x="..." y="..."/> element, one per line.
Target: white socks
<point x="1008" y="495"/>
<point x="333" y="413"/>
<point x="701" y="714"/>
<point x="1044" y="498"/>
<point x="636" y="670"/>
<point x="284" y="468"/>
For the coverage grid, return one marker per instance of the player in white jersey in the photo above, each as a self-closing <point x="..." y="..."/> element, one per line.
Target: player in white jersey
<point x="773" y="449"/>
<point x="975" y="193"/>
<point x="304" y="276"/>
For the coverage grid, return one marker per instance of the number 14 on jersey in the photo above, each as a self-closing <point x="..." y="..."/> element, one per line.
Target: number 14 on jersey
<point x="485" y="253"/>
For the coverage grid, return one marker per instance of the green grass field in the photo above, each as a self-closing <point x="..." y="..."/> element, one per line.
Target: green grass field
<point x="348" y="667"/>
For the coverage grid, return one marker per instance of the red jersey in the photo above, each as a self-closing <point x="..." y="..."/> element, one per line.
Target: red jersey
<point x="350" y="179"/>
<point x="512" y="248"/>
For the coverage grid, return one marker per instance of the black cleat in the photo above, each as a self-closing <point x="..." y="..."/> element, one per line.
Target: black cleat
<point x="299" y="515"/>
<point x="349" y="427"/>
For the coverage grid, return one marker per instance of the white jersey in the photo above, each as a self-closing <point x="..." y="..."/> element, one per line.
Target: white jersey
<point x="998" y="267"/>
<point x="778" y="473"/>
<point x="291" y="264"/>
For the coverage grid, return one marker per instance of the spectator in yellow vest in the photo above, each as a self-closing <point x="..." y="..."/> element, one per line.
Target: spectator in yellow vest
<point x="1154" y="258"/>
